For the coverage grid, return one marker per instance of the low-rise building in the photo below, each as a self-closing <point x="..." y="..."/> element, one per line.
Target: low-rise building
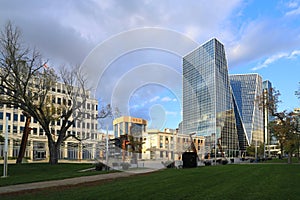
<point x="169" y="144"/>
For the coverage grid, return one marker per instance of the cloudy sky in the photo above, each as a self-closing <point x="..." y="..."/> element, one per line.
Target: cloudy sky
<point x="259" y="37"/>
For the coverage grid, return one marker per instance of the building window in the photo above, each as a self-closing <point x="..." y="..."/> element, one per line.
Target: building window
<point x="1" y="115"/>
<point x="22" y="118"/>
<point x="15" y="129"/>
<point x="161" y="154"/>
<point x="15" y="117"/>
<point x="41" y="131"/>
<point x="8" y="115"/>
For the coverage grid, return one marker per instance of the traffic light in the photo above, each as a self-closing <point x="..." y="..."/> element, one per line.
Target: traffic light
<point x="116" y="142"/>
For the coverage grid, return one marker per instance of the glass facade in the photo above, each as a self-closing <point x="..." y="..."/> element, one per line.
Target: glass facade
<point x="267" y="116"/>
<point x="246" y="89"/>
<point x="207" y="101"/>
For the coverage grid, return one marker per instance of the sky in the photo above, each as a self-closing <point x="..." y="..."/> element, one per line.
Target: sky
<point x="131" y="50"/>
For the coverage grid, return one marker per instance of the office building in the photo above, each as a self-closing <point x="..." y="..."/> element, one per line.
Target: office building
<point x="208" y="108"/>
<point x="84" y="129"/>
<point x="247" y="89"/>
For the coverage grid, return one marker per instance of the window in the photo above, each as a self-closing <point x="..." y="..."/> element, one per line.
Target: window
<point x="58" y="100"/>
<point x="161" y="155"/>
<point x="41" y="131"/>
<point x="15" y="117"/>
<point x="35" y="131"/>
<point x="8" y="115"/>
<point x="22" y="118"/>
<point x="15" y="129"/>
<point x="1" y="115"/>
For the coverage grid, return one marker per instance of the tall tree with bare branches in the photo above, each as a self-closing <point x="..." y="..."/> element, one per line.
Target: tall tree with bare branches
<point x="26" y="82"/>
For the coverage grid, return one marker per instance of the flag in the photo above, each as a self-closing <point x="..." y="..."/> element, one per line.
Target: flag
<point x="45" y="66"/>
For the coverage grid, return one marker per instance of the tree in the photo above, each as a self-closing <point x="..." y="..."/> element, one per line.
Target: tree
<point x="252" y="149"/>
<point x="285" y="130"/>
<point x="26" y="82"/>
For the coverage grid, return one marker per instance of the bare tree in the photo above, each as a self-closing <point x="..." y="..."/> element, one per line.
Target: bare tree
<point x="23" y="81"/>
<point x="26" y="82"/>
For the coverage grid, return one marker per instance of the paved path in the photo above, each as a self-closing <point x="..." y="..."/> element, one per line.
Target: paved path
<point x="69" y="181"/>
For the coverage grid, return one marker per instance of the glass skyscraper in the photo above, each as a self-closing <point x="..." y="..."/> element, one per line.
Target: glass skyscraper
<point x="208" y="108"/>
<point x="267" y="116"/>
<point x="247" y="88"/>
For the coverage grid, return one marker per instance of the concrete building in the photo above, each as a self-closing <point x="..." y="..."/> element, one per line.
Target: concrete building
<point x="169" y="144"/>
<point x="127" y="125"/>
<point x="208" y="108"/>
<point x="37" y="147"/>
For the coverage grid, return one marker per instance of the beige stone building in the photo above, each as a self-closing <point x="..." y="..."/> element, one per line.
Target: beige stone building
<point x="169" y="144"/>
<point x="37" y="146"/>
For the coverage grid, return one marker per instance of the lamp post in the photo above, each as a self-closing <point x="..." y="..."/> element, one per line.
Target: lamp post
<point x="106" y="157"/>
<point x="5" y="149"/>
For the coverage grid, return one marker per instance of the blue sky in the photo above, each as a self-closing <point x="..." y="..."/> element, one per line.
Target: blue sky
<point x="259" y="37"/>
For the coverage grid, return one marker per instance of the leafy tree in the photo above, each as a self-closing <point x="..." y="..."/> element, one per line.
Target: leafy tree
<point x="284" y="129"/>
<point x="251" y="150"/>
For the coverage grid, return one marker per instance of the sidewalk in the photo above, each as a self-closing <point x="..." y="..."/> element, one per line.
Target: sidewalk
<point x="70" y="181"/>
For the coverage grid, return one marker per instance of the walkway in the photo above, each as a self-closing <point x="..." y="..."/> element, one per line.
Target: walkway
<point x="70" y="181"/>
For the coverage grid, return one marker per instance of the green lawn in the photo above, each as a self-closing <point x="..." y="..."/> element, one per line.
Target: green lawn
<point x="249" y="181"/>
<point x="33" y="172"/>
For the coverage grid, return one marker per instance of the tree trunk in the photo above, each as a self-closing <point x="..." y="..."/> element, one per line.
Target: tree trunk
<point x="281" y="151"/>
<point x="289" y="158"/>
<point x="54" y="152"/>
<point x="24" y="139"/>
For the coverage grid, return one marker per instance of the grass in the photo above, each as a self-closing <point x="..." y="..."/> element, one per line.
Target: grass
<point x="34" y="172"/>
<point x="249" y="181"/>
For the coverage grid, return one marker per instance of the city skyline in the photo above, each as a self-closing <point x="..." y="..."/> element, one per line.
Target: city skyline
<point x="259" y="37"/>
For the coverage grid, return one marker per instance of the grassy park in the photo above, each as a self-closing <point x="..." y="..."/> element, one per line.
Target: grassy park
<point x="34" y="172"/>
<point x="244" y="181"/>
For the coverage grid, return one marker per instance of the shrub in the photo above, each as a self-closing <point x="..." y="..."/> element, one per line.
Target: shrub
<point x="125" y="165"/>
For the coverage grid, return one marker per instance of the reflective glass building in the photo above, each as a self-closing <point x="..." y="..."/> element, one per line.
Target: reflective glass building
<point x="246" y="89"/>
<point x="267" y="116"/>
<point x="208" y="108"/>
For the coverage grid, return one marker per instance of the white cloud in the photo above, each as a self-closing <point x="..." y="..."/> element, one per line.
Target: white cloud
<point x="192" y="31"/>
<point x="275" y="58"/>
<point x="292" y="4"/>
<point x="171" y="113"/>
<point x="294" y="54"/>
<point x="166" y="99"/>
<point x="293" y="7"/>
<point x="154" y="99"/>
<point x="261" y="38"/>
